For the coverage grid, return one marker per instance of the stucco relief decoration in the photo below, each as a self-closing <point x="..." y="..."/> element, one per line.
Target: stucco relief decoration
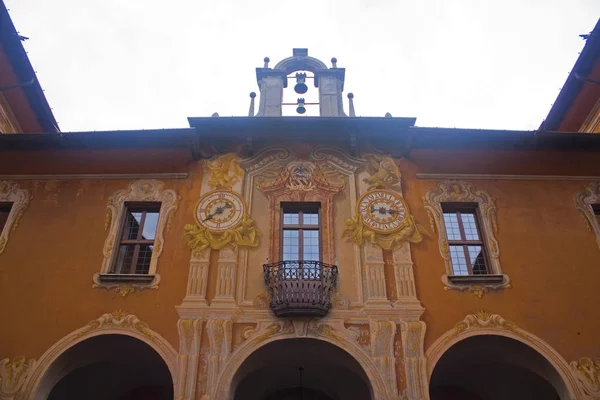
<point x="300" y="177"/>
<point x="384" y="177"/>
<point x="384" y="173"/>
<point x="459" y="191"/>
<point x="244" y="235"/>
<point x="13" y="375"/>
<point x="224" y="172"/>
<point x="484" y="320"/>
<point x="19" y="199"/>
<point x="142" y="190"/>
<point x="584" y="201"/>
<point x="587" y="371"/>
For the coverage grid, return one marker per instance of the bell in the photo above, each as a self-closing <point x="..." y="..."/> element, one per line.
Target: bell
<point x="301" y="109"/>
<point x="300" y="87"/>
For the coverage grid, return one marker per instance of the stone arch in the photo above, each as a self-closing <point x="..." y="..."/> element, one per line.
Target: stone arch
<point x="483" y="323"/>
<point x="223" y="388"/>
<point x="115" y="323"/>
<point x="307" y="63"/>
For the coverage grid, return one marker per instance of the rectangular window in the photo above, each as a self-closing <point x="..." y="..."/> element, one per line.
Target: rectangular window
<point x="300" y="226"/>
<point x="467" y="250"/>
<point x="136" y="243"/>
<point x="4" y="213"/>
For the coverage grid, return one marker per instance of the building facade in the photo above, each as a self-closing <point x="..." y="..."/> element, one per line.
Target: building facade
<point x="329" y="257"/>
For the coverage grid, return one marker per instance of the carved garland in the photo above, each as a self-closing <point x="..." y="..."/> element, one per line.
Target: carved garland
<point x="458" y="191"/>
<point x="19" y="199"/>
<point x="142" y="190"/>
<point x="584" y="201"/>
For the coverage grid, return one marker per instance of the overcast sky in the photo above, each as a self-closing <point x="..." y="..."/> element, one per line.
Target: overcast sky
<point x="140" y="64"/>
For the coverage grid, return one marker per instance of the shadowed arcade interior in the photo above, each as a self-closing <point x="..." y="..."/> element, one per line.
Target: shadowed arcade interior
<point x="273" y="373"/>
<point x="108" y="367"/>
<point x="491" y="367"/>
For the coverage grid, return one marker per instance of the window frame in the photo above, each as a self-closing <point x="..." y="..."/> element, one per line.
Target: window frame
<point x="301" y="208"/>
<point x="5" y="207"/>
<point x="144" y="207"/>
<point x="19" y="200"/>
<point x="458" y="208"/>
<point x="142" y="191"/>
<point x="461" y="192"/>
<point x="588" y="204"/>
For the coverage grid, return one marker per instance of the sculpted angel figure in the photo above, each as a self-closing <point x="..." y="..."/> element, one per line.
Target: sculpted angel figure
<point x="384" y="171"/>
<point x="224" y="171"/>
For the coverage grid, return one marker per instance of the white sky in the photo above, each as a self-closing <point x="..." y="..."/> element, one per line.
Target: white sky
<point x="140" y="64"/>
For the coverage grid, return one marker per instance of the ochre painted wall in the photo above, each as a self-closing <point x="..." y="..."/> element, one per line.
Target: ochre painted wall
<point x="545" y="247"/>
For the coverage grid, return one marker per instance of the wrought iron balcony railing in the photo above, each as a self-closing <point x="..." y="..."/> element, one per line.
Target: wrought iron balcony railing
<point x="300" y="288"/>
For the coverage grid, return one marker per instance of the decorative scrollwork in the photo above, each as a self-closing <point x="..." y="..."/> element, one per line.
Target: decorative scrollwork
<point x="19" y="199"/>
<point x="13" y="375"/>
<point x="587" y="372"/>
<point x="224" y="172"/>
<point x="584" y="201"/>
<point x="244" y="235"/>
<point x="458" y="191"/>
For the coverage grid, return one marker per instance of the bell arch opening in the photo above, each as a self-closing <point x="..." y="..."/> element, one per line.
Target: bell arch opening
<point x="491" y="367"/>
<point x="108" y="366"/>
<point x="290" y="368"/>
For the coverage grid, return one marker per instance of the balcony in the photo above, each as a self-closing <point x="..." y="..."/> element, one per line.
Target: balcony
<point x="300" y="288"/>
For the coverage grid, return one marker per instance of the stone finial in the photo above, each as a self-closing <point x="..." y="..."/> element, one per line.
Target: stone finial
<point x="351" y="100"/>
<point x="388" y="115"/>
<point x="334" y="62"/>
<point x="251" y="110"/>
<point x="266" y="60"/>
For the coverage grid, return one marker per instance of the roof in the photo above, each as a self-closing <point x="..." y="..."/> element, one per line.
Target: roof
<point x="579" y="93"/>
<point x="398" y="136"/>
<point x="20" y="86"/>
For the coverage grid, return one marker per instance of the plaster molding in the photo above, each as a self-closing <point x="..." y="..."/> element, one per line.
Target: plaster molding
<point x="484" y="323"/>
<point x="459" y="191"/>
<point x="13" y="375"/>
<point x="415" y="362"/>
<point x="332" y="331"/>
<point x="142" y="190"/>
<point x="584" y="201"/>
<point x="119" y="323"/>
<point x="587" y="371"/>
<point x="77" y="177"/>
<point x="501" y="177"/>
<point x="190" y="335"/>
<point x="20" y="198"/>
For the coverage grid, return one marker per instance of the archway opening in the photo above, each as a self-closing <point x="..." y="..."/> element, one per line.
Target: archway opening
<point x="273" y="372"/>
<point x="108" y="367"/>
<point x="490" y="367"/>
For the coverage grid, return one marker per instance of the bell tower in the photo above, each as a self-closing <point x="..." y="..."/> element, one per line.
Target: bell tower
<point x="329" y="81"/>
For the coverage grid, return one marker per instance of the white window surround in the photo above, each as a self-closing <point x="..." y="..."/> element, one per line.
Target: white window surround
<point x="20" y="198"/>
<point x="584" y="201"/>
<point x="150" y="190"/>
<point x="463" y="192"/>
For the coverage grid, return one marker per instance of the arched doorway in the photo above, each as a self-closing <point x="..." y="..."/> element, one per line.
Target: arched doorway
<point x="307" y="369"/>
<point x="491" y="367"/>
<point x="108" y="366"/>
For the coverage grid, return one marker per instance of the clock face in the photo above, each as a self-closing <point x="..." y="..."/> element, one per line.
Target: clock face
<point x="220" y="210"/>
<point x="382" y="210"/>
